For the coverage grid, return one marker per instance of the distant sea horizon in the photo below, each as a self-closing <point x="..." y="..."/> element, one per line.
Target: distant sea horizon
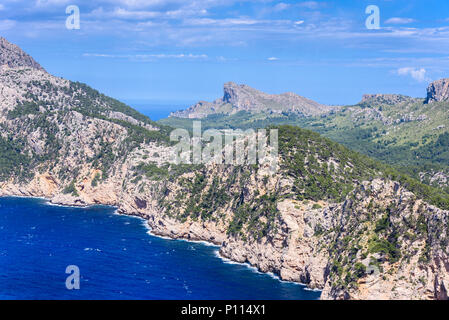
<point x="158" y="109"/>
<point x="117" y="259"/>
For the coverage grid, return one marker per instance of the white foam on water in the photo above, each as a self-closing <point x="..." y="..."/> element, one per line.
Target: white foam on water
<point x="205" y="243"/>
<point x="256" y="270"/>
<point x="225" y="260"/>
<point x="24" y="197"/>
<point x="150" y="231"/>
<point x="49" y="203"/>
<point x="116" y="213"/>
<point x="313" y="290"/>
<point x="92" y="249"/>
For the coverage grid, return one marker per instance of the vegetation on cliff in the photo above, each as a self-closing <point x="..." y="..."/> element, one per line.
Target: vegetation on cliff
<point x="363" y="214"/>
<point x="407" y="133"/>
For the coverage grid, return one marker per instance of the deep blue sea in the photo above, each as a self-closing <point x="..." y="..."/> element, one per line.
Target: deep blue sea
<point x="157" y="110"/>
<point x="117" y="259"/>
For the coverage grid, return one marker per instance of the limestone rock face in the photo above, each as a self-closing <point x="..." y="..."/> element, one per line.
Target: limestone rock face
<point x="238" y="98"/>
<point x="12" y="56"/>
<point x="438" y="91"/>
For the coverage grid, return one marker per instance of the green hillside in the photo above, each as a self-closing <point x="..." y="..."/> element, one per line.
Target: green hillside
<point x="412" y="136"/>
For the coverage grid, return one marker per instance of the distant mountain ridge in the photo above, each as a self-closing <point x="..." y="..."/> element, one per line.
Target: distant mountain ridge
<point x="238" y="98"/>
<point x="437" y="91"/>
<point x="407" y="132"/>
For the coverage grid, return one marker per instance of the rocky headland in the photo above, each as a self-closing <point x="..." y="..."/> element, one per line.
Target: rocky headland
<point x="327" y="217"/>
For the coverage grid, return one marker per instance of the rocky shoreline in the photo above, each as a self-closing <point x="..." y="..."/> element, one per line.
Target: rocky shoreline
<point x="297" y="252"/>
<point x="233" y="252"/>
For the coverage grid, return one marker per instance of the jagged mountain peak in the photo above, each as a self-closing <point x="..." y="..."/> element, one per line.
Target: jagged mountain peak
<point x="14" y="57"/>
<point x="27" y="90"/>
<point x="235" y="93"/>
<point x="241" y="97"/>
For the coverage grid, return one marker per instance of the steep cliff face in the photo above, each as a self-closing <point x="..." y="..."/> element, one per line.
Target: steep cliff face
<point x="438" y="91"/>
<point x="396" y="243"/>
<point x="326" y="217"/>
<point x="238" y="98"/>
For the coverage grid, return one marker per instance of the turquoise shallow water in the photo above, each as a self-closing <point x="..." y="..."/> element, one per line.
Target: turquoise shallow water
<point x="117" y="259"/>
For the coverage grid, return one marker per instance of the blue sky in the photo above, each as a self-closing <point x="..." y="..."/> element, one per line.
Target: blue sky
<point x="184" y="50"/>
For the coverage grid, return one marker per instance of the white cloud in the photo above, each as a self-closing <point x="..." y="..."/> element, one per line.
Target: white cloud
<point x="417" y="74"/>
<point x="137" y="3"/>
<point x="196" y="5"/>
<point x="148" y="57"/>
<point x="216" y="22"/>
<point x="2" y="7"/>
<point x="46" y="3"/>
<point x="230" y="22"/>
<point x="7" y="24"/>
<point x="222" y="22"/>
<point x="121" y="13"/>
<point x="309" y="4"/>
<point x="281" y="6"/>
<point x="126" y="14"/>
<point x="273" y="59"/>
<point x="400" y="21"/>
<point x="131" y="13"/>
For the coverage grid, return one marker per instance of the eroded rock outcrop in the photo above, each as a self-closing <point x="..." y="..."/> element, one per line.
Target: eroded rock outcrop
<point x="238" y="98"/>
<point x="12" y="56"/>
<point x="438" y="91"/>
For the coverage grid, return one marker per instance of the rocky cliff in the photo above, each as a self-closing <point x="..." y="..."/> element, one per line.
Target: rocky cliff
<point x="12" y="56"/>
<point x="327" y="217"/>
<point x="238" y="98"/>
<point x="438" y="91"/>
